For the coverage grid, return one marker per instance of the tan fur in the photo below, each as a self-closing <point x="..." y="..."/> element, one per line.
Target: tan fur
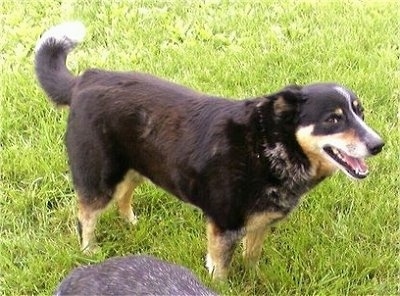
<point x="256" y="228"/>
<point x="123" y="195"/>
<point x="87" y="216"/>
<point x="280" y="106"/>
<point x="339" y="111"/>
<point x="88" y="213"/>
<point x="220" y="246"/>
<point x="320" y="166"/>
<point x="311" y="144"/>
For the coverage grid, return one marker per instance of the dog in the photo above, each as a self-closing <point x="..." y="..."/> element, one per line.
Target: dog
<point x="244" y="163"/>
<point x="132" y="275"/>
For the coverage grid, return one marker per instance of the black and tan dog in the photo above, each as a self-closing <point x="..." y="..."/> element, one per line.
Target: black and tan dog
<point x="245" y="163"/>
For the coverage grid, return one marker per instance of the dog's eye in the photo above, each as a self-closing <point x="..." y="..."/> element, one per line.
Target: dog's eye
<point x="333" y="119"/>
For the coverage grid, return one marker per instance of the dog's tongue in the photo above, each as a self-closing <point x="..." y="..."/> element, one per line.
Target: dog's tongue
<point x="357" y="164"/>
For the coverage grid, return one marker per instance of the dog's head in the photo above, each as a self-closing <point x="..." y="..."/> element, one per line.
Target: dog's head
<point x="326" y="121"/>
<point x="332" y="132"/>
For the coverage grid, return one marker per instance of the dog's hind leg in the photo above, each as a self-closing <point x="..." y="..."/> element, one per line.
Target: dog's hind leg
<point x="221" y="245"/>
<point x="87" y="218"/>
<point x="123" y="195"/>
<point x="256" y="228"/>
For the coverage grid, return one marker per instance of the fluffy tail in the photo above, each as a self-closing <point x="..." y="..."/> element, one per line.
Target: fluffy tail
<point x="50" y="60"/>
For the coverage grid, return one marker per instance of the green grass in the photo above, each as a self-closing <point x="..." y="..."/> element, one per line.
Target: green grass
<point x="344" y="237"/>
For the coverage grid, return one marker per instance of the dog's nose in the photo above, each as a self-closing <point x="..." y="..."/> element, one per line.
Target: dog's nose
<point x="375" y="147"/>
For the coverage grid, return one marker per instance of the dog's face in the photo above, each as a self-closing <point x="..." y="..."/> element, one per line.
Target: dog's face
<point x="332" y="132"/>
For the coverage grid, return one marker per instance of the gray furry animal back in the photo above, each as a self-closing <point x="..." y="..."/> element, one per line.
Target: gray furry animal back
<point x="132" y="275"/>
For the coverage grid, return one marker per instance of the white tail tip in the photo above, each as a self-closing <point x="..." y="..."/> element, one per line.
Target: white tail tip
<point x="70" y="33"/>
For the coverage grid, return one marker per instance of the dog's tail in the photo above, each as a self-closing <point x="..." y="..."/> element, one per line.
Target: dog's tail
<point x="50" y="60"/>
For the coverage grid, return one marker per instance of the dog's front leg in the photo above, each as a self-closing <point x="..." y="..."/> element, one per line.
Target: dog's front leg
<point x="257" y="225"/>
<point x="221" y="245"/>
<point x="252" y="245"/>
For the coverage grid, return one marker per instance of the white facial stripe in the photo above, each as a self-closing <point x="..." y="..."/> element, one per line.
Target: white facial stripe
<point x="345" y="94"/>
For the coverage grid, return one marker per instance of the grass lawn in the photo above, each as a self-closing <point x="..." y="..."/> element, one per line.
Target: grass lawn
<point x="344" y="237"/>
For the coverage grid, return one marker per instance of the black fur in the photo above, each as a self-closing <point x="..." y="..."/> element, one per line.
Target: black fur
<point x="109" y="132"/>
<point x="53" y="76"/>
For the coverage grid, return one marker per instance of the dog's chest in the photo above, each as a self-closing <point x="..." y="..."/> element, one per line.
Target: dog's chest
<point x="282" y="198"/>
<point x="287" y="180"/>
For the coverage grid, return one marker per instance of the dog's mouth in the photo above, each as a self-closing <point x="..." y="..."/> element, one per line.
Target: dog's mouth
<point x="353" y="166"/>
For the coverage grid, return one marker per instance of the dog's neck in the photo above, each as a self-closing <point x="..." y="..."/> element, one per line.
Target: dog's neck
<point x="276" y="154"/>
<point x="261" y="128"/>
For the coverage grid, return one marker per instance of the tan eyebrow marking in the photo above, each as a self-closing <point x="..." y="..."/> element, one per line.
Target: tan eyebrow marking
<point x="338" y="111"/>
<point x="356" y="103"/>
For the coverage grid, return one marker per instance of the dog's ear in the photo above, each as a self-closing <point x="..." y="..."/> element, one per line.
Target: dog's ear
<point x="293" y="87"/>
<point x="287" y="101"/>
<point x="282" y="107"/>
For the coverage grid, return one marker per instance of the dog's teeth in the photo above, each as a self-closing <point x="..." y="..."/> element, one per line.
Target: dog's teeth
<point x="337" y="153"/>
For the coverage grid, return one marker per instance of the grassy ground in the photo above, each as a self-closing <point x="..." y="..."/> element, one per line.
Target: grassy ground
<point x="344" y="237"/>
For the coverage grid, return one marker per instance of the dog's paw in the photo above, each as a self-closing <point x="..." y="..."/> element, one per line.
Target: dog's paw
<point x="129" y="216"/>
<point x="132" y="219"/>
<point x="217" y="272"/>
<point x="210" y="265"/>
<point x="250" y="261"/>
<point x="91" y="249"/>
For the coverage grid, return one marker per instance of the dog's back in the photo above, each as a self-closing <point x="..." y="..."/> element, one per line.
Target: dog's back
<point x="132" y="275"/>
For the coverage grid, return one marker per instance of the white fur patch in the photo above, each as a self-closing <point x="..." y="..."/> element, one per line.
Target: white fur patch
<point x="210" y="264"/>
<point x="69" y="33"/>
